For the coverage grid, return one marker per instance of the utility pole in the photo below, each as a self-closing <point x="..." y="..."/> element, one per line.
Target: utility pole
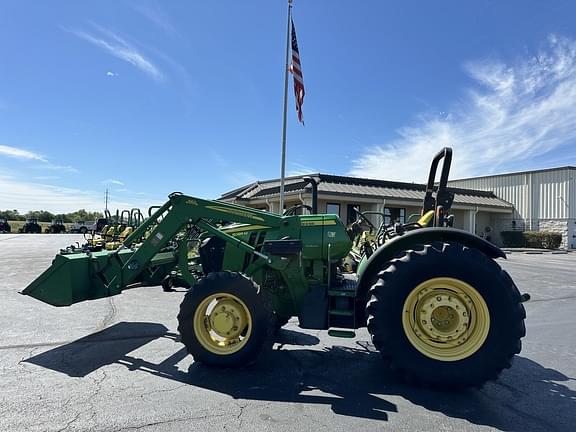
<point x="106" y="200"/>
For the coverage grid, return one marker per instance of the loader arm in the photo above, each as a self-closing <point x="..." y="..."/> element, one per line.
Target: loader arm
<point x="79" y="276"/>
<point x="170" y="219"/>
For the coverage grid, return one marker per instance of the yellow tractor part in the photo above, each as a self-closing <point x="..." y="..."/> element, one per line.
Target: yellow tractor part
<point x="127" y="231"/>
<point x="446" y="319"/>
<point x="222" y="323"/>
<point x="425" y="218"/>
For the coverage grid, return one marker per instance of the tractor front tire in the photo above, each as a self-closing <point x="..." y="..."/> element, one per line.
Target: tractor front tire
<point x="226" y="320"/>
<point x="446" y="316"/>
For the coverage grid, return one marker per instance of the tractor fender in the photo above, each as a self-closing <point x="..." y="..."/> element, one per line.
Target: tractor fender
<point x="369" y="269"/>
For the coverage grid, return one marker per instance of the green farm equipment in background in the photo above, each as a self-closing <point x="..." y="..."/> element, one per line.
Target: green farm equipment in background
<point x="437" y="305"/>
<point x="56" y="227"/>
<point x="31" y="226"/>
<point x="111" y="231"/>
<point x="5" y="226"/>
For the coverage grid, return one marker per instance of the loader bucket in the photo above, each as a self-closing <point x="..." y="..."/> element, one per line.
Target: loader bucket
<point x="70" y="279"/>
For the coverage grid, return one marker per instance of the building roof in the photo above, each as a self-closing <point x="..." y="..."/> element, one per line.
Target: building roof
<point x="360" y="187"/>
<point x="562" y="168"/>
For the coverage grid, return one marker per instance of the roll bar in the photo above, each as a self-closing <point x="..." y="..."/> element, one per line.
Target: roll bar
<point x="443" y="198"/>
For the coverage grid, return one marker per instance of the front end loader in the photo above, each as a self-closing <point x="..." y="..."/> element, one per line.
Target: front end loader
<point x="437" y="305"/>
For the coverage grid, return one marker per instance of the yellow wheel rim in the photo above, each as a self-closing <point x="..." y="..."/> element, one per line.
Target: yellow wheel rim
<point x="446" y="319"/>
<point x="222" y="323"/>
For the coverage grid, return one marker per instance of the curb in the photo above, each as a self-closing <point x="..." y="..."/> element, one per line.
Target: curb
<point x="537" y="251"/>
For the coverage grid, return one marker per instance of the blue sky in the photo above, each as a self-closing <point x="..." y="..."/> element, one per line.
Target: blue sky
<point x="149" y="97"/>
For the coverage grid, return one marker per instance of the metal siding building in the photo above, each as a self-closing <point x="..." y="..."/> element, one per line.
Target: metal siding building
<point x="544" y="200"/>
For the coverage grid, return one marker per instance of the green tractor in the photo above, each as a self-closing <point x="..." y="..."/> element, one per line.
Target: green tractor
<point x="438" y="307"/>
<point x="31" y="226"/>
<point x="5" y="226"/>
<point x="56" y="227"/>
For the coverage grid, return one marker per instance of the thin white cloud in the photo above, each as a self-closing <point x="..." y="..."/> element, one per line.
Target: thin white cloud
<point x="46" y="177"/>
<point x="232" y="176"/>
<point x="62" y="168"/>
<point x="113" y="181"/>
<point x="218" y="159"/>
<point x="120" y="48"/>
<point x="20" y="153"/>
<point x="298" y="169"/>
<point x="516" y="116"/>
<point x="240" y="178"/>
<point x="26" y="155"/>
<point x="25" y="196"/>
<point x="111" y="74"/>
<point x="155" y="14"/>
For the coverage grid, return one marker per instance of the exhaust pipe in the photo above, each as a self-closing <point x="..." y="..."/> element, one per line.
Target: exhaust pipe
<point x="314" y="183"/>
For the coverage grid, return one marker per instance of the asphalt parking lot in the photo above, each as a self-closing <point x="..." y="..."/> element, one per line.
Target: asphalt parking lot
<point x="115" y="365"/>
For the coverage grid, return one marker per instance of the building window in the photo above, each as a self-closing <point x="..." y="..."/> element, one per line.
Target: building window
<point x="333" y="208"/>
<point x="394" y="215"/>
<point x="351" y="213"/>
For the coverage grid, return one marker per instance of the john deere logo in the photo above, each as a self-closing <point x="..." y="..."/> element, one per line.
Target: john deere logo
<point x="192" y="202"/>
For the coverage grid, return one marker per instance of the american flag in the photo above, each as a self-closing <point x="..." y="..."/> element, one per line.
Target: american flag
<point x="296" y="69"/>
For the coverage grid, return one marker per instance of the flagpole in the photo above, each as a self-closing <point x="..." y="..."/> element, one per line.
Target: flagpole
<point x="283" y="166"/>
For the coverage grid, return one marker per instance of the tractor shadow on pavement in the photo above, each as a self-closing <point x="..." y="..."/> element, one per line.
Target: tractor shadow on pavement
<point x="108" y="346"/>
<point x="356" y="382"/>
<point x="353" y="380"/>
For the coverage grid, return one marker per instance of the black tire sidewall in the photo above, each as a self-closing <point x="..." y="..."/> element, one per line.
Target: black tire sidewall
<point x="458" y="262"/>
<point x="254" y="299"/>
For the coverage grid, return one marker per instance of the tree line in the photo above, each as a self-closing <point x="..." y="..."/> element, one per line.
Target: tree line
<point x="46" y="216"/>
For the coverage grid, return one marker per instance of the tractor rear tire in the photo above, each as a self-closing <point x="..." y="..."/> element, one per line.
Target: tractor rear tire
<point x="226" y="320"/>
<point x="446" y="316"/>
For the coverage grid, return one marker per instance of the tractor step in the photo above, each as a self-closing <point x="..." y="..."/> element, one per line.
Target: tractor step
<point x="341" y="312"/>
<point x="335" y="293"/>
<point x="342" y="333"/>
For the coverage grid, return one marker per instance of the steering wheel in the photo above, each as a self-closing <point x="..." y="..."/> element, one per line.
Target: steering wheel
<point x="364" y="219"/>
<point x="292" y="210"/>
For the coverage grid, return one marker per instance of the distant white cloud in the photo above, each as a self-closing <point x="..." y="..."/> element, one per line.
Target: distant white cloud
<point x="20" y="153"/>
<point x="26" y="155"/>
<point x="296" y="169"/>
<point x="111" y="74"/>
<point x="113" y="181"/>
<point x="120" y="48"/>
<point x="241" y="178"/>
<point x="516" y="115"/>
<point x="155" y="14"/>
<point x="62" y="168"/>
<point x="48" y="177"/>
<point x="232" y="176"/>
<point x="25" y="196"/>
